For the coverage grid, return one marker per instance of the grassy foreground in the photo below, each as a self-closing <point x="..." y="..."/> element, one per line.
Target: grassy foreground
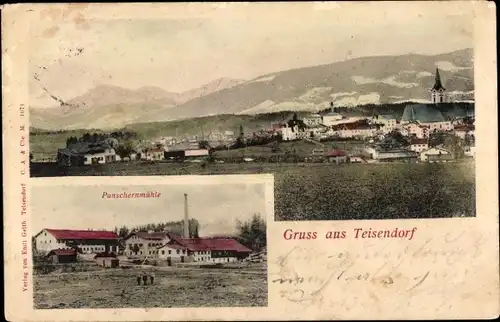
<point x="333" y="192"/>
<point x="173" y="287"/>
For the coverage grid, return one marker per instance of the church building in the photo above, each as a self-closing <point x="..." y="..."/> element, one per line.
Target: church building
<point x="438" y="92"/>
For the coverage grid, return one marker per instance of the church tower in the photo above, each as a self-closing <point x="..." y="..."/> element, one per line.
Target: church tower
<point x="438" y="91"/>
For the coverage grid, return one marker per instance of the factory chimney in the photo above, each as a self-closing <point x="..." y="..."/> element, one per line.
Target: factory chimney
<point x="186" y="217"/>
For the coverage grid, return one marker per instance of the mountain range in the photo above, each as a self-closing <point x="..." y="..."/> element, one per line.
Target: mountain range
<point x="367" y="80"/>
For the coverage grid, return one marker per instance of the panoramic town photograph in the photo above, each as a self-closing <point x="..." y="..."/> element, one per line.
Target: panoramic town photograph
<point x="149" y="246"/>
<point x="373" y="121"/>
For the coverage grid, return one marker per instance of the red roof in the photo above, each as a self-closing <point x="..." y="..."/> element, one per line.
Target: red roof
<point x="200" y="244"/>
<point x="336" y="153"/>
<point x="63" y="252"/>
<point x="195" y="244"/>
<point x="81" y="234"/>
<point x="173" y="246"/>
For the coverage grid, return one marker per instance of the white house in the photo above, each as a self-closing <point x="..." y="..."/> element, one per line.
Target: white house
<point x="470" y="151"/>
<point x="142" y="244"/>
<point x="435" y="151"/>
<point x="331" y="118"/>
<point x="389" y="123"/>
<point x="289" y="133"/>
<point x="416" y="129"/>
<point x="87" y="241"/>
<point x="419" y="145"/>
<point x="313" y="120"/>
<point x="106" y="155"/>
<point x="357" y="159"/>
<point x="356" y="130"/>
<point x="463" y="130"/>
<point x="154" y="154"/>
<point x="173" y="252"/>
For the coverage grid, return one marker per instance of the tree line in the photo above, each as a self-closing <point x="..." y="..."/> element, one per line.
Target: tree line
<point x="176" y="227"/>
<point x="101" y="136"/>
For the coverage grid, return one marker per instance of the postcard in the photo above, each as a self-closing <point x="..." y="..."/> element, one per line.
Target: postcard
<point x="250" y="161"/>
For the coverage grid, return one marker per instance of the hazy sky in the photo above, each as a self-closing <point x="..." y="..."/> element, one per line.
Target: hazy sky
<point x="238" y="41"/>
<point x="215" y="206"/>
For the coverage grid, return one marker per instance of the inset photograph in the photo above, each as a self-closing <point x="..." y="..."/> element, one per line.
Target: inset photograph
<point x="151" y="245"/>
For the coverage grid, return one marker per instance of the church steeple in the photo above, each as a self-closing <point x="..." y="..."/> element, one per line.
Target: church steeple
<point x="437" y="83"/>
<point x="438" y="90"/>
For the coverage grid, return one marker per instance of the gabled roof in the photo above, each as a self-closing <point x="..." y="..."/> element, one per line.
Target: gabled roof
<point x="439" y="148"/>
<point x="214" y="244"/>
<point x="61" y="251"/>
<point x="66" y="234"/>
<point x="336" y="153"/>
<point x="423" y="113"/>
<point x="194" y="244"/>
<point x="387" y="116"/>
<point x="80" y="148"/>
<point x="155" y="235"/>
<point x="332" y="114"/>
<point x="173" y="246"/>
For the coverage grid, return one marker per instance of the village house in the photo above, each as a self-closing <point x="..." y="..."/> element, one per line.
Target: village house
<point x="315" y="131"/>
<point x="142" y="244"/>
<point x="153" y="154"/>
<point x="337" y="156"/>
<point x="356" y="159"/>
<point x="388" y="155"/>
<point x="86" y="241"/>
<point x="388" y="122"/>
<point x="84" y="153"/>
<point x="359" y="129"/>
<point x="313" y="120"/>
<point x="470" y="151"/>
<point x="419" y="145"/>
<point x="331" y="118"/>
<point x="463" y="130"/>
<point x="415" y="129"/>
<point x="214" y="250"/>
<point x="435" y="154"/>
<point x="290" y="133"/>
<point x="62" y="256"/>
<point x="107" y="260"/>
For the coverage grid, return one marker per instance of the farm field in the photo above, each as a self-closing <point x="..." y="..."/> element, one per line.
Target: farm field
<point x="173" y="287"/>
<point x="336" y="192"/>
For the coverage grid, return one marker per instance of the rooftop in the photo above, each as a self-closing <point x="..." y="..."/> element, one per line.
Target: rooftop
<point x="80" y="148"/>
<point x="423" y="113"/>
<point x="387" y="116"/>
<point x="66" y="234"/>
<point x="336" y="153"/>
<point x="63" y="252"/>
<point x="195" y="244"/>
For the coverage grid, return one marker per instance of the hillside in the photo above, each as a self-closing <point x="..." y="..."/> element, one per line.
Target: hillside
<point x="359" y="81"/>
<point x="378" y="80"/>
